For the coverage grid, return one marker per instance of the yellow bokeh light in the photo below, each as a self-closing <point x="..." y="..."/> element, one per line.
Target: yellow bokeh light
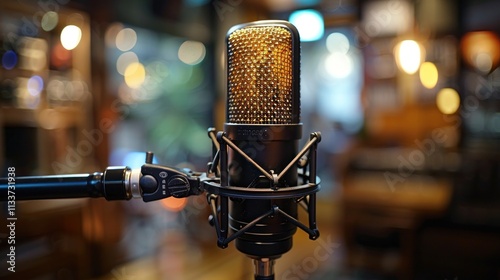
<point x="71" y="36"/>
<point x="448" y="101"/>
<point x="408" y="56"/>
<point x="428" y="74"/>
<point x="135" y="74"/>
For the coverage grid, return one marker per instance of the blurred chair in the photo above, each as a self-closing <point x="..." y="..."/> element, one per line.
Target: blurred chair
<point x="382" y="220"/>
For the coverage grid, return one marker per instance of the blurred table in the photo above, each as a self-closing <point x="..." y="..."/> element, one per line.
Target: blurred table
<point x="380" y="220"/>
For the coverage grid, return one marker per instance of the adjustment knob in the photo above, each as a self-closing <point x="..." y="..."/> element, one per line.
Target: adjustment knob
<point x="178" y="186"/>
<point x="148" y="184"/>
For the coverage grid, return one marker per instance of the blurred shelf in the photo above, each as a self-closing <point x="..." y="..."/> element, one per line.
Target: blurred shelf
<point x="61" y="117"/>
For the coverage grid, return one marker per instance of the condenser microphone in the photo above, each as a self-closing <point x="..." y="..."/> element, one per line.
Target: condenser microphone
<point x="263" y="121"/>
<point x="257" y="176"/>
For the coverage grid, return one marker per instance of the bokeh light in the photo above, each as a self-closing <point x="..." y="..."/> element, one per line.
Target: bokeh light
<point x="111" y="32"/>
<point x="126" y="39"/>
<point x="338" y="65"/>
<point x="124" y="60"/>
<point x="49" y="20"/>
<point x="483" y="62"/>
<point x="481" y="49"/>
<point x="428" y="75"/>
<point x="191" y="52"/>
<point x="174" y="204"/>
<point x="337" y="42"/>
<point x="134" y="159"/>
<point x="35" y="85"/>
<point x="309" y="23"/>
<point x="408" y="56"/>
<point x="135" y="74"/>
<point x="448" y="101"/>
<point x="55" y="89"/>
<point x="9" y="60"/>
<point x="71" y="36"/>
<point x="60" y="57"/>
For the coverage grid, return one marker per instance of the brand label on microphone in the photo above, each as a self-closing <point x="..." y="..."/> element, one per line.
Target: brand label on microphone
<point x="260" y="133"/>
<point x="263" y="132"/>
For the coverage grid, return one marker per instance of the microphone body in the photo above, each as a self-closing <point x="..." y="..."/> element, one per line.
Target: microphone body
<point x="263" y="121"/>
<point x="272" y="236"/>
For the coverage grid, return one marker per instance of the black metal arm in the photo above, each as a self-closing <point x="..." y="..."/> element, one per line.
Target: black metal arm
<point x="151" y="182"/>
<point x="110" y="184"/>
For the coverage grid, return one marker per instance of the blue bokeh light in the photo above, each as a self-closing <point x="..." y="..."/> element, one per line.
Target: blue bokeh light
<point x="9" y="60"/>
<point x="309" y="23"/>
<point x="136" y="159"/>
<point x="35" y="85"/>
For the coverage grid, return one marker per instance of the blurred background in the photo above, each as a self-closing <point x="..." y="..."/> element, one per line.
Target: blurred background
<point x="406" y="95"/>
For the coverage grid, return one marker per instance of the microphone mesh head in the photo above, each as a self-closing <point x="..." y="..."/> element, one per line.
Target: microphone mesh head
<point x="260" y="75"/>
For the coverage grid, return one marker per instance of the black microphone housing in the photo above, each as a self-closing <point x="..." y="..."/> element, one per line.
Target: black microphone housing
<point x="273" y="147"/>
<point x="263" y="120"/>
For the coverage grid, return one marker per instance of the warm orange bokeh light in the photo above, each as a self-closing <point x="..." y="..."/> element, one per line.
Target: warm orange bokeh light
<point x="481" y="49"/>
<point x="174" y="204"/>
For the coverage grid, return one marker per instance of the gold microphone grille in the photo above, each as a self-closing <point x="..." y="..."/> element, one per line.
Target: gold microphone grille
<point x="260" y="75"/>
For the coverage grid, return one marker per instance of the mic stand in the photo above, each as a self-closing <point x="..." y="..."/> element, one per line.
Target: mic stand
<point x="264" y="268"/>
<point x="153" y="182"/>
